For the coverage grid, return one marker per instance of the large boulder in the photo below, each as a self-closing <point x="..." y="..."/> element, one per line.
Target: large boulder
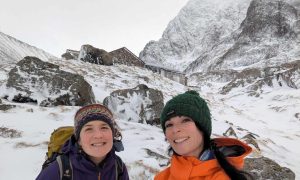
<point x="140" y="104"/>
<point x="34" y="80"/>
<point x="94" y="55"/>
<point x="265" y="168"/>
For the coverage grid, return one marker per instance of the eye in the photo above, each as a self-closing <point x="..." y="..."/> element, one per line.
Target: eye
<point x="105" y="127"/>
<point x="167" y="125"/>
<point x="88" y="129"/>
<point x="186" y="120"/>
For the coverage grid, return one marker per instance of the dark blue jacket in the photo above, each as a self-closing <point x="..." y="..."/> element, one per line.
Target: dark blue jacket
<point x="83" y="168"/>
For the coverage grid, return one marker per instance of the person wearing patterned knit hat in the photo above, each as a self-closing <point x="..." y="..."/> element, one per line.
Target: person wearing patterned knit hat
<point x="91" y="149"/>
<point x="186" y="123"/>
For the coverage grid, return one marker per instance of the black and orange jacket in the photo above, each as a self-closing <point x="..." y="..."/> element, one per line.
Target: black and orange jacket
<point x="191" y="168"/>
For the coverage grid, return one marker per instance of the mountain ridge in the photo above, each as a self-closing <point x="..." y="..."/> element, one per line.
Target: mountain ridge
<point x="12" y="50"/>
<point x="265" y="34"/>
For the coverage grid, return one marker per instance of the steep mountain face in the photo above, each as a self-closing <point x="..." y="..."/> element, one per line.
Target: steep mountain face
<point x="196" y="29"/>
<point x="269" y="36"/>
<point x="13" y="50"/>
<point x="208" y="36"/>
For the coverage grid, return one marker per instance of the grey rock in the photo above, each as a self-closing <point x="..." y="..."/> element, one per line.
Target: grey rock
<point x="94" y="55"/>
<point x="140" y="104"/>
<point x="230" y="132"/>
<point x="265" y="168"/>
<point x="5" y="107"/>
<point x="9" y="133"/>
<point x="34" y="78"/>
<point x="163" y="160"/>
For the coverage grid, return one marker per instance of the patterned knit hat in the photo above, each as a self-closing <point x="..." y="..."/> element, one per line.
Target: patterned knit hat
<point x="188" y="104"/>
<point x="91" y="113"/>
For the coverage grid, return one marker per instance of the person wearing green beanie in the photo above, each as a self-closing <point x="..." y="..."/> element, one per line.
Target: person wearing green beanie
<point x="186" y="123"/>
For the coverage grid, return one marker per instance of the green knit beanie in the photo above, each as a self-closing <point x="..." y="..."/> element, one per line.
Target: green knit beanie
<point x="188" y="104"/>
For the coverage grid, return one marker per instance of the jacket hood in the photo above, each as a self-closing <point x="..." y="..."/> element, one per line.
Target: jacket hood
<point x="183" y="167"/>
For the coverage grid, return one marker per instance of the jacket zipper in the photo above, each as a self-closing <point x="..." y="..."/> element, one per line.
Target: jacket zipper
<point x="99" y="176"/>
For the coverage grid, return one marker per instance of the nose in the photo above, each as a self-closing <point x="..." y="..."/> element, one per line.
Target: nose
<point x="98" y="133"/>
<point x="176" y="128"/>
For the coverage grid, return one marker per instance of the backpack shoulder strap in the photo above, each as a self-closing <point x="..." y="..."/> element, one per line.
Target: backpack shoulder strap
<point x="119" y="167"/>
<point x="65" y="167"/>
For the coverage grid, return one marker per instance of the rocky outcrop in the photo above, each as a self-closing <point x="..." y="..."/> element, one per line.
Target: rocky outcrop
<point x="253" y="79"/>
<point x="94" y="55"/>
<point x="44" y="83"/>
<point x="173" y="75"/>
<point x="222" y="76"/>
<point x="269" y="18"/>
<point x="140" y="104"/>
<point x="5" y="107"/>
<point x="265" y="168"/>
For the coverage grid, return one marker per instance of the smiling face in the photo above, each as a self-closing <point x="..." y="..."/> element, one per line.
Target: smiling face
<point x="184" y="136"/>
<point x="96" y="140"/>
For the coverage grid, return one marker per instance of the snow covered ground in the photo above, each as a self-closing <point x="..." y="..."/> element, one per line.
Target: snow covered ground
<point x="272" y="117"/>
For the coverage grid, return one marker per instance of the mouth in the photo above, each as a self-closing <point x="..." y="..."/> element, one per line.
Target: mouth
<point x="98" y="144"/>
<point x="180" y="140"/>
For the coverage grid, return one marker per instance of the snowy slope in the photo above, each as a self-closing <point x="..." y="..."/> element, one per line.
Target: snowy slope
<point x="271" y="117"/>
<point x="13" y="50"/>
<point x="37" y="123"/>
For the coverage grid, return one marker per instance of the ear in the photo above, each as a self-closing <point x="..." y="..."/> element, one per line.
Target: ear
<point x="79" y="142"/>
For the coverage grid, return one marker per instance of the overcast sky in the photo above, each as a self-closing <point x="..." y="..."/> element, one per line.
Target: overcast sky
<point x="57" y="25"/>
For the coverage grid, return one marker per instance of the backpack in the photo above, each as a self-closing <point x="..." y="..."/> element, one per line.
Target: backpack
<point x="57" y="139"/>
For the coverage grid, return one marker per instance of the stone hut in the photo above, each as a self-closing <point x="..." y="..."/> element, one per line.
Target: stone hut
<point x="70" y="54"/>
<point x="124" y="56"/>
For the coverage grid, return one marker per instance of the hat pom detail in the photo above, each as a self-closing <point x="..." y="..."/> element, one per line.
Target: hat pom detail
<point x="193" y="92"/>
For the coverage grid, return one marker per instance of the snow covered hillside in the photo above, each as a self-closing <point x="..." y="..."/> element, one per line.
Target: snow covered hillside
<point x="245" y="65"/>
<point x="272" y="118"/>
<point x="36" y="123"/>
<point x="13" y="50"/>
